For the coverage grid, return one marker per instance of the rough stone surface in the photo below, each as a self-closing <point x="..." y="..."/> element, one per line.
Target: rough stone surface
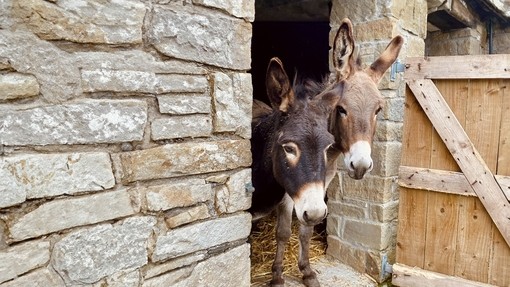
<point x="140" y="82"/>
<point x="23" y="258"/>
<point x="124" y="279"/>
<point x="134" y="60"/>
<point x="184" y="104"/>
<point x="180" y="217"/>
<point x="238" y="8"/>
<point x="211" y="272"/>
<point x="66" y="213"/>
<point x="232" y="102"/>
<point x="40" y="277"/>
<point x="197" y="34"/>
<point x="181" y="127"/>
<point x="372" y="188"/>
<point x="367" y="234"/>
<point x="185" y="158"/>
<point x="43" y="175"/>
<point x="203" y="235"/>
<point x="164" y="197"/>
<point x="234" y="196"/>
<point x="156" y="270"/>
<point x="117" y="22"/>
<point x="18" y="86"/>
<point x="82" y="122"/>
<point x="55" y="70"/>
<point x="346" y="253"/>
<point x="86" y="256"/>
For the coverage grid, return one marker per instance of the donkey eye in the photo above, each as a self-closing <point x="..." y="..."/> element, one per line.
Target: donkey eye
<point x="289" y="148"/>
<point x="378" y="110"/>
<point x="341" y="111"/>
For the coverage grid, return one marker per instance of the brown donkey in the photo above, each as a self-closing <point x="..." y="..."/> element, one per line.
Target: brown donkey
<point x="352" y="123"/>
<point x="289" y="147"/>
<point x="354" y="119"/>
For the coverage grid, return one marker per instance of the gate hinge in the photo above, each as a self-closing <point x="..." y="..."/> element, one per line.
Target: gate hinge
<point x="396" y="67"/>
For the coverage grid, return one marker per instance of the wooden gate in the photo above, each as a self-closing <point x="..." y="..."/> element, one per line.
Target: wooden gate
<point x="454" y="213"/>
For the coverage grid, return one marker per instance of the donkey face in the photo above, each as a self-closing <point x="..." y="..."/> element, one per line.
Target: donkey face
<point x="354" y="121"/>
<point x="300" y="142"/>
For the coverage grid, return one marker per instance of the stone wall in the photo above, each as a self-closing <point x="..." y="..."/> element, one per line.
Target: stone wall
<point x="124" y="142"/>
<point x="362" y="223"/>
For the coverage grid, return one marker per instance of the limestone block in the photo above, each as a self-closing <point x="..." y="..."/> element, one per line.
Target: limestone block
<point x="234" y="196"/>
<point x="124" y="279"/>
<point x="238" y="8"/>
<point x="211" y="272"/>
<point x="71" y="212"/>
<point x="140" y="82"/>
<point x="184" y="104"/>
<point x="376" y="30"/>
<point x="167" y="196"/>
<point x="346" y="252"/>
<point x="203" y="35"/>
<point x="384" y="212"/>
<point x="55" y="70"/>
<point x="44" y="175"/>
<point x="412" y="15"/>
<point x="232" y="102"/>
<point x="347" y="209"/>
<point x="180" y="159"/>
<point x="134" y="60"/>
<point x="88" y="255"/>
<point x="202" y="235"/>
<point x="170" y="265"/>
<point x="357" y="11"/>
<point x="394" y="109"/>
<point x="86" y="121"/>
<point x="181" y="216"/>
<point x="181" y="127"/>
<point x="40" y="277"/>
<point x="95" y="21"/>
<point x="334" y="224"/>
<point x="22" y="258"/>
<point x="18" y="86"/>
<point x="388" y="131"/>
<point x="371" y="188"/>
<point x="370" y="235"/>
<point x="386" y="156"/>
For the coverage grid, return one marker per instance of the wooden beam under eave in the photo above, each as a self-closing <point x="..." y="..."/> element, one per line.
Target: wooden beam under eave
<point x="465" y="154"/>
<point x="458" y="67"/>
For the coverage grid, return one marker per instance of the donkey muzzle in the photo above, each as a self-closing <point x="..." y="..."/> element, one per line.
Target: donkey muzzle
<point x="309" y="204"/>
<point x="358" y="160"/>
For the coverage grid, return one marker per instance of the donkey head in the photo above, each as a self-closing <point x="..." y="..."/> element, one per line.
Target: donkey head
<point x="300" y="142"/>
<point x="354" y="121"/>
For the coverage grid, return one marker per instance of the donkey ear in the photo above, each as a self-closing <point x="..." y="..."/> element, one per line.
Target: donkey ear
<point x="343" y="51"/>
<point x="390" y="54"/>
<point x="278" y="86"/>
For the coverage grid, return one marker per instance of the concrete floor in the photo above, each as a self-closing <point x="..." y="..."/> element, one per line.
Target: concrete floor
<point x="332" y="273"/>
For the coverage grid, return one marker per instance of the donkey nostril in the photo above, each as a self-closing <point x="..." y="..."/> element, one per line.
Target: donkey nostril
<point x="305" y="216"/>
<point x="371" y="165"/>
<point x="352" y="165"/>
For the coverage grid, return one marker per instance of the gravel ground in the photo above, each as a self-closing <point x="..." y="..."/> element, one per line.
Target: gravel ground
<point x="332" y="273"/>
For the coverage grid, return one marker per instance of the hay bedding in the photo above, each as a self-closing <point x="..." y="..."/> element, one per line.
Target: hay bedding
<point x="263" y="249"/>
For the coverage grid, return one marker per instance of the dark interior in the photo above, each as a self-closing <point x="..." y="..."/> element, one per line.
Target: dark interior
<point x="299" y="39"/>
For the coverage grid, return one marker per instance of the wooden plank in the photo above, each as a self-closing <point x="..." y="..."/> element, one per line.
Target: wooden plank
<point x="499" y="273"/>
<point x="458" y="67"/>
<point x="443" y="209"/>
<point x="417" y="133"/>
<point x="442" y="181"/>
<point x="465" y="154"/>
<point x="482" y="127"/>
<point x="406" y="276"/>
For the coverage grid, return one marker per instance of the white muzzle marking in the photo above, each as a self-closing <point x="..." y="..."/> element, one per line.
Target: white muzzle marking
<point x="358" y="159"/>
<point x="309" y="205"/>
